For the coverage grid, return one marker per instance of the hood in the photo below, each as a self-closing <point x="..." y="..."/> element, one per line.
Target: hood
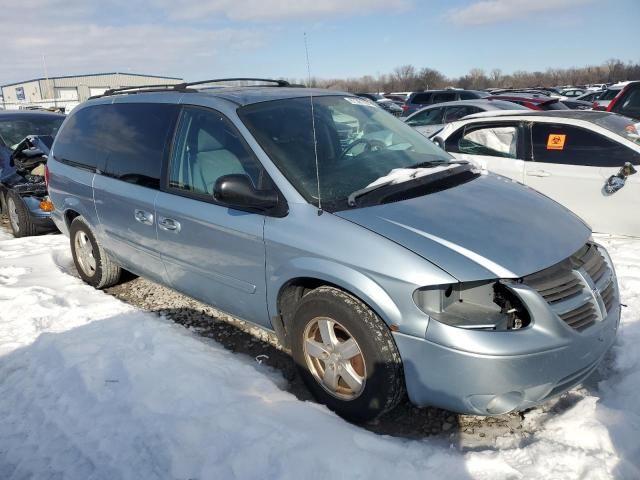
<point x="489" y="227"/>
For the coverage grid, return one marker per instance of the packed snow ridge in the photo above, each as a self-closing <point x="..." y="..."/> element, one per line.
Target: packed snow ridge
<point x="92" y="388"/>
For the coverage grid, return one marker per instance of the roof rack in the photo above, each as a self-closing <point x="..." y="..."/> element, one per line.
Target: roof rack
<point x="182" y="87"/>
<point x="278" y="83"/>
<point x="138" y="89"/>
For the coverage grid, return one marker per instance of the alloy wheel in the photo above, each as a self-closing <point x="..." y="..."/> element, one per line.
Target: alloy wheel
<point x="84" y="253"/>
<point x="334" y="358"/>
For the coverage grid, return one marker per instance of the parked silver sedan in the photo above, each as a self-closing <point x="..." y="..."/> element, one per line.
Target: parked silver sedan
<point x="432" y="119"/>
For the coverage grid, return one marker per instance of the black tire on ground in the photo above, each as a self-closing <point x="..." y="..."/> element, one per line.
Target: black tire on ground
<point x="19" y="219"/>
<point x="105" y="271"/>
<point x="384" y="385"/>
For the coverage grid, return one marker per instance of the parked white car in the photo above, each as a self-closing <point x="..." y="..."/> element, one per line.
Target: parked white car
<point x="576" y="157"/>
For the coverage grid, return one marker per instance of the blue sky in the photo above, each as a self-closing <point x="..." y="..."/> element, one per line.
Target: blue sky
<point x="347" y="38"/>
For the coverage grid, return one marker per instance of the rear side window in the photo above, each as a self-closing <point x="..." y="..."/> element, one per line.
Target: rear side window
<point x="456" y="113"/>
<point x="609" y="94"/>
<point x="444" y="97"/>
<point x="125" y="141"/>
<point x="135" y="136"/>
<point x="469" y="95"/>
<point x="569" y="145"/>
<point x="421" y="98"/>
<point x="428" y="117"/>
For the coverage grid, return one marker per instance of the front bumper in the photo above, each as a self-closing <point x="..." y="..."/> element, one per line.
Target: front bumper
<point x="490" y="372"/>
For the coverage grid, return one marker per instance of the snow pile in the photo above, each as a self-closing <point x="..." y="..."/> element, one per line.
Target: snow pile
<point x="92" y="388"/>
<point x="399" y="175"/>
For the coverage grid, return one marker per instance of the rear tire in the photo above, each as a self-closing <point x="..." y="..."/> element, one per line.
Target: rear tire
<point x="358" y="372"/>
<point x="19" y="217"/>
<point x="93" y="264"/>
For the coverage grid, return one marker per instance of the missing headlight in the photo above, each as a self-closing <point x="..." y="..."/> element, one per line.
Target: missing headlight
<point x="474" y="305"/>
<point x="511" y="306"/>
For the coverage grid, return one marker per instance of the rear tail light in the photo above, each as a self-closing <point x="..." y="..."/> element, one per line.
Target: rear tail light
<point x="46" y="176"/>
<point x="405" y="108"/>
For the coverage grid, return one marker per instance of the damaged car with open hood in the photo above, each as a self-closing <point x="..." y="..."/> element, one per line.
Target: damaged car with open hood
<point x="385" y="266"/>
<point x="25" y="140"/>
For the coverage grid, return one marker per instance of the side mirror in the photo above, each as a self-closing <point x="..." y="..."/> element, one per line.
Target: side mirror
<point x="616" y="182"/>
<point x="237" y="191"/>
<point x="439" y="142"/>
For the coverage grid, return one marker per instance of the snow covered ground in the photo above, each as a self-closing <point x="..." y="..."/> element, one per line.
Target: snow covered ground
<point x="92" y="388"/>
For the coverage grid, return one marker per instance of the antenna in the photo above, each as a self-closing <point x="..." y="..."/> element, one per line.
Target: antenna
<point x="313" y="122"/>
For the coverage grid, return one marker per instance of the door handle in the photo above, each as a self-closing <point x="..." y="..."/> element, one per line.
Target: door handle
<point x="169" y="224"/>
<point x="143" y="217"/>
<point x="538" y="173"/>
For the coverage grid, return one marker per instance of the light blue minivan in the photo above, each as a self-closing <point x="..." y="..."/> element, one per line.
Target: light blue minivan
<point x="383" y="264"/>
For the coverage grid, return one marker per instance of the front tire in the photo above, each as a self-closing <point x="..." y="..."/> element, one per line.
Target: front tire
<point x="93" y="264"/>
<point x="346" y="355"/>
<point x="19" y="218"/>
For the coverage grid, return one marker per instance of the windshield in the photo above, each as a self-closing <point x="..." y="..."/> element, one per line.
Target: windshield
<point x="620" y="125"/>
<point x="357" y="143"/>
<point x="13" y="130"/>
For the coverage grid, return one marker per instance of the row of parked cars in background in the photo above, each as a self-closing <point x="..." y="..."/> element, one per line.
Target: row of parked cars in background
<point x="386" y="265"/>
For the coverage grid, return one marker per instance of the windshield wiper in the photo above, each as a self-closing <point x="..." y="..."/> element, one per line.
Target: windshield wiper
<point x="435" y="164"/>
<point x="351" y="199"/>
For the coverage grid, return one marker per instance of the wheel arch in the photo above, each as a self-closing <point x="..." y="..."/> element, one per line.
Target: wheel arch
<point x="289" y="289"/>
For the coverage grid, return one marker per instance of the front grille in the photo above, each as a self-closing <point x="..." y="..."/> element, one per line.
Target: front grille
<point x="573" y="286"/>
<point x="581" y="317"/>
<point x="592" y="261"/>
<point x="556" y="283"/>
<point x="608" y="296"/>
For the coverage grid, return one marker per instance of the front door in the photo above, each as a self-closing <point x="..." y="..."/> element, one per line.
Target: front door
<point x="571" y="165"/>
<point x="498" y="147"/>
<point x="212" y="252"/>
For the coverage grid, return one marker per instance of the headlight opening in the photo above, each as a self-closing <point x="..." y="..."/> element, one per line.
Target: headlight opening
<point x="474" y="305"/>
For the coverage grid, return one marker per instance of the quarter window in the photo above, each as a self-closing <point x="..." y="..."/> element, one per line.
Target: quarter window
<point x="569" y="145"/>
<point x="207" y="148"/>
<point x="456" y="113"/>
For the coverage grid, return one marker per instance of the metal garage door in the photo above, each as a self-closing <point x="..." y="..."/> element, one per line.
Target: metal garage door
<point x="67" y="93"/>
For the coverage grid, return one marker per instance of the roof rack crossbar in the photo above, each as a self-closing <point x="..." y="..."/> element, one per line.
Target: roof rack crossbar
<point x="278" y="83"/>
